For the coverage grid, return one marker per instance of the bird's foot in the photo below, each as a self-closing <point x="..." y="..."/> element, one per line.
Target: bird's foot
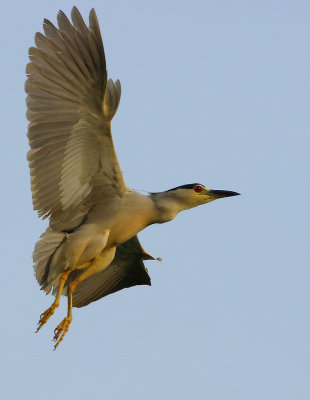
<point x="44" y="317"/>
<point x="61" y="330"/>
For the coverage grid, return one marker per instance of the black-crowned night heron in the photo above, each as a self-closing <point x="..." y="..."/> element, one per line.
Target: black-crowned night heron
<point x="90" y="248"/>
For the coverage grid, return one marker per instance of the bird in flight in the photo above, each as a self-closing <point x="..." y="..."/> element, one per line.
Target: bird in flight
<point x="90" y="248"/>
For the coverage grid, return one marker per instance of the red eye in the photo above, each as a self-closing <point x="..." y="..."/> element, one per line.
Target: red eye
<point x="198" y="188"/>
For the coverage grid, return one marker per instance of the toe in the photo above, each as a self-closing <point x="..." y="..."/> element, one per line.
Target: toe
<point x="61" y="330"/>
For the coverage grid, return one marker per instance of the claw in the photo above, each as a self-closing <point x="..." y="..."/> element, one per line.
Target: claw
<point x="46" y="315"/>
<point x="61" y="330"/>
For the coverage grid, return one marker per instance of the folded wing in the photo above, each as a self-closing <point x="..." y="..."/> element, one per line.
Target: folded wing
<point x="126" y="270"/>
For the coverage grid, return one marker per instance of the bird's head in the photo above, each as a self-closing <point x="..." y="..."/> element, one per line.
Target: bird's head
<point x="171" y="202"/>
<point x="195" y="194"/>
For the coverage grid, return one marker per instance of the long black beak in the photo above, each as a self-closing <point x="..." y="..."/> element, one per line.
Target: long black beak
<point x="223" y="193"/>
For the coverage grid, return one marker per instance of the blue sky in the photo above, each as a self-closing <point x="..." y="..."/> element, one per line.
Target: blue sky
<point x="215" y="92"/>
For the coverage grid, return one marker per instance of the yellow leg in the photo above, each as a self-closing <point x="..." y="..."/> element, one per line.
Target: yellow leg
<point x="44" y="317"/>
<point x="93" y="268"/>
<point x="63" y="327"/>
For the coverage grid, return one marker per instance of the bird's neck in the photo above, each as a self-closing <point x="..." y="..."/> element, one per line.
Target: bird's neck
<point x="166" y="207"/>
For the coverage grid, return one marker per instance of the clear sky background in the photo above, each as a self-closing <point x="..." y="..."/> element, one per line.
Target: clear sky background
<point x="215" y="92"/>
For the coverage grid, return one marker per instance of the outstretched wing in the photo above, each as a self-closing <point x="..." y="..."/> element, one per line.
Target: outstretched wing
<point x="126" y="270"/>
<point x="70" y="107"/>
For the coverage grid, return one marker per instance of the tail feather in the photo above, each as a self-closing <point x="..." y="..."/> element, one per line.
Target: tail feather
<point x="42" y="255"/>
